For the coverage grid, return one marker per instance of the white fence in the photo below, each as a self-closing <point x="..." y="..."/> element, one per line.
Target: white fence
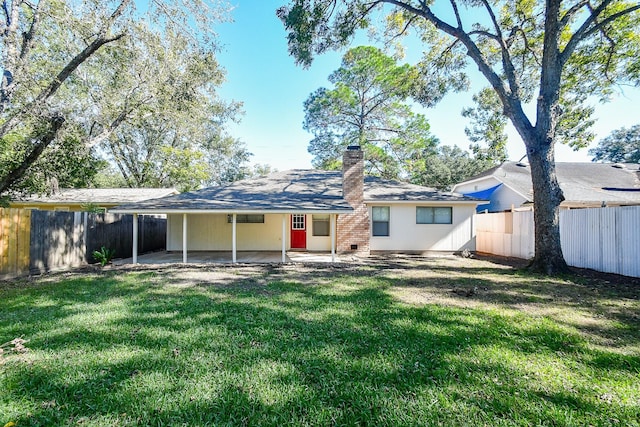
<point x="602" y="239"/>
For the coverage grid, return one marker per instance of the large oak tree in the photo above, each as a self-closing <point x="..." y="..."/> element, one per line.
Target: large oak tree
<point x="553" y="54"/>
<point x="87" y="69"/>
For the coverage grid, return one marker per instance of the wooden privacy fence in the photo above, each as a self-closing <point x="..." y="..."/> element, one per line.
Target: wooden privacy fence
<point x="14" y="241"/>
<point x="602" y="239"/>
<point x="39" y="241"/>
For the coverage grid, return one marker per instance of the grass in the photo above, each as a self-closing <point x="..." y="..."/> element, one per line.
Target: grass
<point x="402" y="342"/>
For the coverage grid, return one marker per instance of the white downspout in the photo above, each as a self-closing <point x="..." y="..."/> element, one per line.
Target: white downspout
<point x="233" y="240"/>
<point x="184" y="238"/>
<point x="332" y="228"/>
<point x="284" y="238"/>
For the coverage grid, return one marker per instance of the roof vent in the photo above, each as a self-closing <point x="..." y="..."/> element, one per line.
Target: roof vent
<point x="618" y="166"/>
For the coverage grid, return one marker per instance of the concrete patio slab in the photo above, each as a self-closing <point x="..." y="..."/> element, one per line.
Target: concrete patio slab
<point x="242" y="257"/>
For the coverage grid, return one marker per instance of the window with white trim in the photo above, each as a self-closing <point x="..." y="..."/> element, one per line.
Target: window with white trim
<point x="320" y="224"/>
<point x="434" y="215"/>
<point x="380" y="220"/>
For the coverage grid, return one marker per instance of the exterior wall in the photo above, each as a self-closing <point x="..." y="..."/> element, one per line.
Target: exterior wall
<point x="479" y="185"/>
<point x="212" y="232"/>
<point x="317" y="243"/>
<point x="406" y="235"/>
<point x="353" y="228"/>
<point x="501" y="199"/>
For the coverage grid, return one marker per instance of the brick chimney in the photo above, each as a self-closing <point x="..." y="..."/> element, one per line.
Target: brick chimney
<point x="353" y="228"/>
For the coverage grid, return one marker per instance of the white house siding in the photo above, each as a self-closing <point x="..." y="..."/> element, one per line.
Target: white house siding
<point x="504" y="198"/>
<point x="474" y="186"/>
<point x="212" y="232"/>
<point x="406" y="235"/>
<point x="501" y="200"/>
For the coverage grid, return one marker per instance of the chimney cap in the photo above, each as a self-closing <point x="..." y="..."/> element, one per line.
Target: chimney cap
<point x="353" y="148"/>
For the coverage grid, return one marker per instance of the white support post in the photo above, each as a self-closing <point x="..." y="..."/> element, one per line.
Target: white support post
<point x="332" y="226"/>
<point x="233" y="240"/>
<point x="284" y="238"/>
<point x="134" y="249"/>
<point x="184" y="238"/>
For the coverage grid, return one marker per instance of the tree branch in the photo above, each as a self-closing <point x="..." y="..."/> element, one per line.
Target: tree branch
<point x="71" y="66"/>
<point x="507" y="62"/>
<point x="569" y="14"/>
<point x="28" y="36"/>
<point x="611" y="18"/>
<point x="454" y="5"/>
<point x="513" y="108"/>
<point x="581" y="32"/>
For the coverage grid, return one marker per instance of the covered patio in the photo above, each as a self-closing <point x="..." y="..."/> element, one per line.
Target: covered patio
<point x="258" y="220"/>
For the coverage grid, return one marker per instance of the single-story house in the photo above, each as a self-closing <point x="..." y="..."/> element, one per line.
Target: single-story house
<point x="314" y="210"/>
<point x="78" y="199"/>
<point x="508" y="185"/>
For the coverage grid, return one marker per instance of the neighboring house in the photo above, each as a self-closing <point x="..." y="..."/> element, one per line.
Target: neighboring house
<point x="584" y="185"/>
<point x="315" y="211"/>
<point x="79" y="199"/>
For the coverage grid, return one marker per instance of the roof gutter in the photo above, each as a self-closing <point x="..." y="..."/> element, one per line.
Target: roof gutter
<point x="228" y="211"/>
<point x="426" y="202"/>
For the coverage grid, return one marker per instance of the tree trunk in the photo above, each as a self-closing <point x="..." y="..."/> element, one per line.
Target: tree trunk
<point x="547" y="197"/>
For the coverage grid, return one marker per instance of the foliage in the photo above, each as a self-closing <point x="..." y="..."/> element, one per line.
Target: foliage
<point x="321" y="346"/>
<point x="109" y="177"/>
<point x="92" y="208"/>
<point x="621" y="146"/>
<point x="100" y="67"/>
<point x="489" y="141"/>
<point x="176" y="137"/>
<point x="104" y="255"/>
<point x="553" y="54"/>
<point x="227" y="159"/>
<point x="447" y="167"/>
<point x="66" y="163"/>
<point x="368" y="107"/>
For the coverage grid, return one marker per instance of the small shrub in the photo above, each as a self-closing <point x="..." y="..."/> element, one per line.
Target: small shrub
<point x="104" y="255"/>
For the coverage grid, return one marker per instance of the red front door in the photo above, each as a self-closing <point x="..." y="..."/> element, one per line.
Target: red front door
<point x="298" y="231"/>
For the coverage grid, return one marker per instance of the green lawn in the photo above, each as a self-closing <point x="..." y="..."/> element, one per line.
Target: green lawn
<point x="403" y="342"/>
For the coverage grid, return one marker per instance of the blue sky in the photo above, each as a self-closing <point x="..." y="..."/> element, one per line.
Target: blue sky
<point x="262" y="75"/>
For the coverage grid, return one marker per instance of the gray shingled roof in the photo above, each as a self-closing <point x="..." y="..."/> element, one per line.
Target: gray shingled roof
<point x="110" y="196"/>
<point x="580" y="182"/>
<point x="377" y="189"/>
<point x="294" y="190"/>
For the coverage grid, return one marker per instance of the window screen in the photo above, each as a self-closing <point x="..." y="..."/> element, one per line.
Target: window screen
<point x="320" y="225"/>
<point x="380" y="220"/>
<point x="434" y="215"/>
